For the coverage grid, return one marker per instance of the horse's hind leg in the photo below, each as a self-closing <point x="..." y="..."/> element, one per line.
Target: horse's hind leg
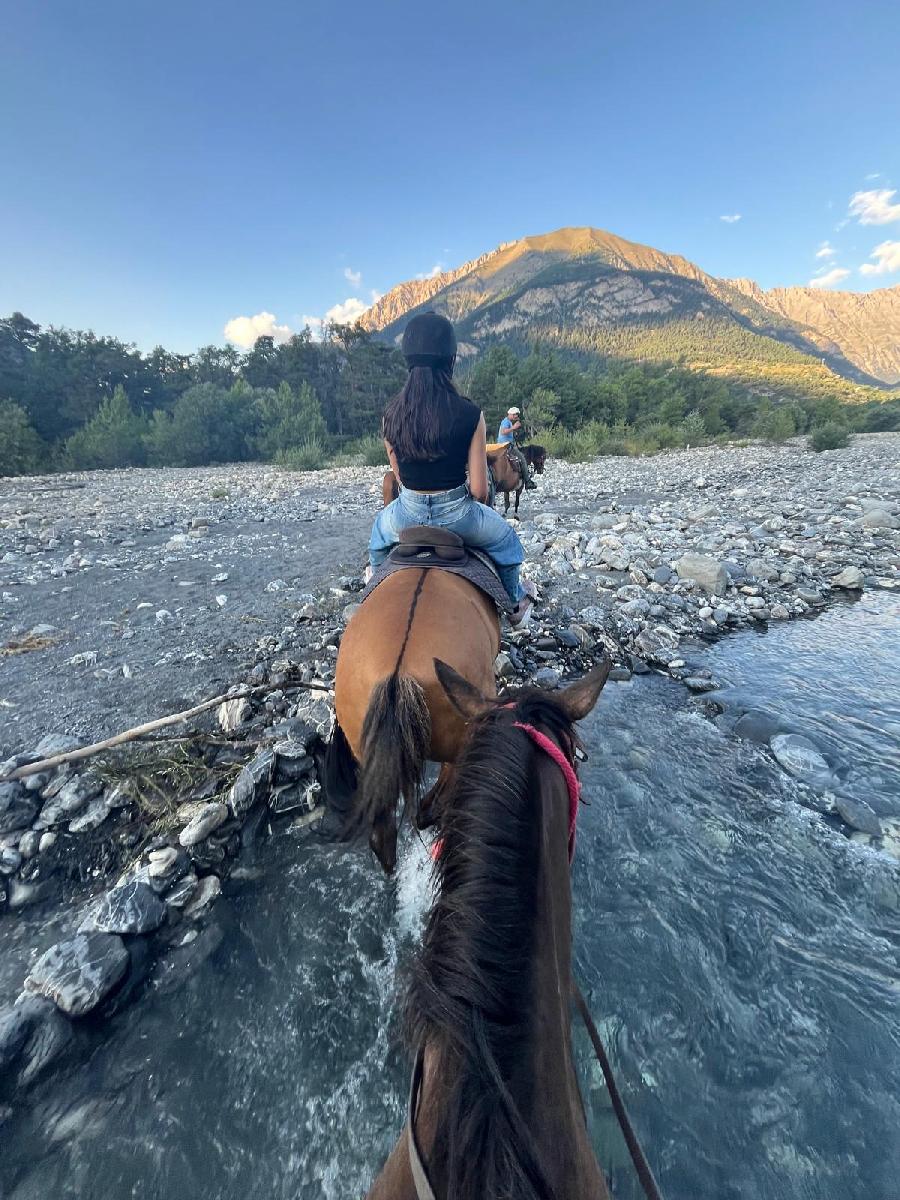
<point x="518" y="495"/>
<point x="430" y="805"/>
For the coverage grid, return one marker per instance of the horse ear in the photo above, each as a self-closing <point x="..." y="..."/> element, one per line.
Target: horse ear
<point x="464" y="696"/>
<point x="580" y="697"/>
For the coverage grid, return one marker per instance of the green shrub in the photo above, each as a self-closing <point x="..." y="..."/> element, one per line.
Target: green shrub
<point x="369" y="450"/>
<point x="615" y="448"/>
<point x="774" y="424"/>
<point x="21" y="450"/>
<point x="310" y="455"/>
<point x="114" y="436"/>
<point x="830" y="436"/>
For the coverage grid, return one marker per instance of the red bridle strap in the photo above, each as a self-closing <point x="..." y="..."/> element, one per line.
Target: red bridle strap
<point x="572" y="785"/>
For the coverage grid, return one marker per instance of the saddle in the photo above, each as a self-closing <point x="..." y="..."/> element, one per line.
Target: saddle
<point x="429" y="546"/>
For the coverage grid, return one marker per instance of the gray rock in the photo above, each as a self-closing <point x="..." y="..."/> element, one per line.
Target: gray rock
<point x="47" y="842"/>
<point x="697" y="684"/>
<point x="129" y="908"/>
<point x="209" y="818"/>
<point x="56" y="743"/>
<point x="162" y="862"/>
<point x="801" y="757"/>
<point x="18" y="808"/>
<point x="620" y="674"/>
<point x="503" y="666"/>
<point x="809" y="595"/>
<point x="662" y="574"/>
<point x="761" y="568"/>
<point x="850" y="579"/>
<point x="291" y="761"/>
<point x="879" y="518"/>
<point x="233" y="713"/>
<point x="10" y="860"/>
<point x="208" y="888"/>
<point x="757" y="726"/>
<point x="48" y="1034"/>
<point x="77" y="974"/>
<point x="16" y="1025"/>
<point x="708" y="573"/>
<point x="91" y="817"/>
<point x="593" y="616"/>
<point x="252" y="784"/>
<point x="858" y="815"/>
<point x="78" y="791"/>
<point x="181" y="892"/>
<point x="30" y="843"/>
<point x="547" y="677"/>
<point x="36" y="783"/>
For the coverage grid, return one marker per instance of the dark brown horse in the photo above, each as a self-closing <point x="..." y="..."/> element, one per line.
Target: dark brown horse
<point x="507" y="476"/>
<point x="535" y="456"/>
<point x="498" y="1112"/>
<point x="392" y="714"/>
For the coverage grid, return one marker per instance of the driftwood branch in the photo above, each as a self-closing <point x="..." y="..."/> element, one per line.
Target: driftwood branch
<point x="139" y="731"/>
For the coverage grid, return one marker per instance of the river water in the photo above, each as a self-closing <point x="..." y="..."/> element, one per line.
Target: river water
<point x="739" y="952"/>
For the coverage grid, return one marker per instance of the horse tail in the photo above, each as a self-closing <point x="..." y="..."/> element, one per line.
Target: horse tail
<point x="396" y="736"/>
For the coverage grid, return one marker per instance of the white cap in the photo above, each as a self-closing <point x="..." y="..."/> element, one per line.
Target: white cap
<point x="514" y="411"/>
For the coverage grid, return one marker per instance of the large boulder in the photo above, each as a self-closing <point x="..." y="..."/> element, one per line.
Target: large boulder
<point x="801" y="758"/>
<point x="131" y="907"/>
<point x="706" y="572"/>
<point x="851" y="579"/>
<point x="78" y="973"/>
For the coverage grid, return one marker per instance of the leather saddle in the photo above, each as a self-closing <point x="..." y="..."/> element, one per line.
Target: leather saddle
<point x="428" y="541"/>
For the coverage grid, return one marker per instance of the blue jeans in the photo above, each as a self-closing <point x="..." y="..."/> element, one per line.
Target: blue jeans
<point x="476" y="524"/>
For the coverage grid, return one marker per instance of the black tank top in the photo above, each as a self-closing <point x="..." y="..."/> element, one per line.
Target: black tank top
<point x="448" y="469"/>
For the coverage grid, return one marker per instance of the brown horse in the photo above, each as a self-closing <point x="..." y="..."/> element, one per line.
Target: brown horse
<point x="392" y="714"/>
<point x="495" y="1109"/>
<point x="507" y="476"/>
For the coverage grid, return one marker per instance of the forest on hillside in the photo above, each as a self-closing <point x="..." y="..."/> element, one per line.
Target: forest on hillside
<point x="71" y="400"/>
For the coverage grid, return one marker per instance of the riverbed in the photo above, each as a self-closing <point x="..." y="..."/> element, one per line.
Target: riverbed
<point x="739" y="951"/>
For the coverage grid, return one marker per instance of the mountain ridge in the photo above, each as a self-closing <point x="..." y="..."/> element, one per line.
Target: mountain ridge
<point x="581" y="277"/>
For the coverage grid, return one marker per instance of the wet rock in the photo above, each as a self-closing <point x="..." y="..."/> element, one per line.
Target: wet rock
<point x="291" y="761"/>
<point x="708" y="573"/>
<point x="128" y="908"/>
<point x="17" y="807"/>
<point x="49" y="1035"/>
<point x="850" y="579"/>
<point x="208" y="819"/>
<point x="23" y="894"/>
<point x="10" y="860"/>
<point x="698" y="684"/>
<point x="620" y="674"/>
<point x="252" y="784"/>
<point x="91" y="817"/>
<point x="78" y="973"/>
<point x="858" y="815"/>
<point x="29" y="844"/>
<point x="757" y="726"/>
<point x="207" y="890"/>
<point x="180" y="893"/>
<point x="801" y="757"/>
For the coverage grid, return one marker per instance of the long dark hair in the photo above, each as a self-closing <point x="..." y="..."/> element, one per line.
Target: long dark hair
<point x="418" y="418"/>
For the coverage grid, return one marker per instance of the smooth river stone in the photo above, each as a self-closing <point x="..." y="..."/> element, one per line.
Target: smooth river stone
<point x="132" y="907"/>
<point x="801" y="758"/>
<point x="78" y="973"/>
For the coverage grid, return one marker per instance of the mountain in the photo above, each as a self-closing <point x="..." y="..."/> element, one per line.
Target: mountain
<point x="863" y="326"/>
<point x="593" y="294"/>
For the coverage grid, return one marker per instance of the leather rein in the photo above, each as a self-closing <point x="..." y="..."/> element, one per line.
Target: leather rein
<point x="424" y="1190"/>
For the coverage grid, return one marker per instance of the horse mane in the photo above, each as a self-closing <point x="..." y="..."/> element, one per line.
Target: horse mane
<point x="473" y="972"/>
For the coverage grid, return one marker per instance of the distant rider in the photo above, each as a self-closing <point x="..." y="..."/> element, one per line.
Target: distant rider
<point x="433" y="435"/>
<point x="506" y="435"/>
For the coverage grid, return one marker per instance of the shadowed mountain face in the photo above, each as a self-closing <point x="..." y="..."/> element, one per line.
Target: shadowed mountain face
<point x="593" y="293"/>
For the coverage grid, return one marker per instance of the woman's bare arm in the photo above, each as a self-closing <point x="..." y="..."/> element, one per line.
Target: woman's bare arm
<point x="392" y="459"/>
<point x="478" y="473"/>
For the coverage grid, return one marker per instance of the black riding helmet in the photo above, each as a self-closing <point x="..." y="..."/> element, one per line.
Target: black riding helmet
<point x="429" y="341"/>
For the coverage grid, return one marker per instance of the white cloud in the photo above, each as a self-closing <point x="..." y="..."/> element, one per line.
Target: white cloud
<point x="888" y="255"/>
<point x="314" y="323"/>
<point x="874" y="175"/>
<point x="354" y="278"/>
<point x="874" y="208"/>
<point x="835" y="275"/>
<point x="436" y="270"/>
<point x="826" y="250"/>
<point x="376" y="295"/>
<point x="731" y="219"/>
<point x="347" y="313"/>
<point x="244" y="331"/>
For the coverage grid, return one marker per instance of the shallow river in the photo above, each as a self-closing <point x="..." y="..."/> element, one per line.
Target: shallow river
<point x="740" y="954"/>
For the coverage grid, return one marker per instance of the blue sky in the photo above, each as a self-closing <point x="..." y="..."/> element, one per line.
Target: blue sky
<point x="168" y="167"/>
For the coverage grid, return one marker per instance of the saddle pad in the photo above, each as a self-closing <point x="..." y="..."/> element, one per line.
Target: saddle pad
<point x="494" y="447"/>
<point x="472" y="567"/>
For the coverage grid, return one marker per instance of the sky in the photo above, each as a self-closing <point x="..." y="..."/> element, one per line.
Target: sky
<point x="172" y="171"/>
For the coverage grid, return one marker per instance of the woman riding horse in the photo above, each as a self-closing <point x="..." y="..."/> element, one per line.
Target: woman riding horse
<point x="433" y="435"/>
<point x="392" y="714"/>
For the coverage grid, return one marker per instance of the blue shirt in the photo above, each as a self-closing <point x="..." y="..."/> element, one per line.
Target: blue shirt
<point x="506" y="434"/>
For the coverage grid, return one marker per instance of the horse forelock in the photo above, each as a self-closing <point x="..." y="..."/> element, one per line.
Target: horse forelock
<point x="470" y="991"/>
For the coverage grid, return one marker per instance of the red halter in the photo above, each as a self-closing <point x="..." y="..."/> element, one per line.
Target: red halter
<point x="572" y="785"/>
